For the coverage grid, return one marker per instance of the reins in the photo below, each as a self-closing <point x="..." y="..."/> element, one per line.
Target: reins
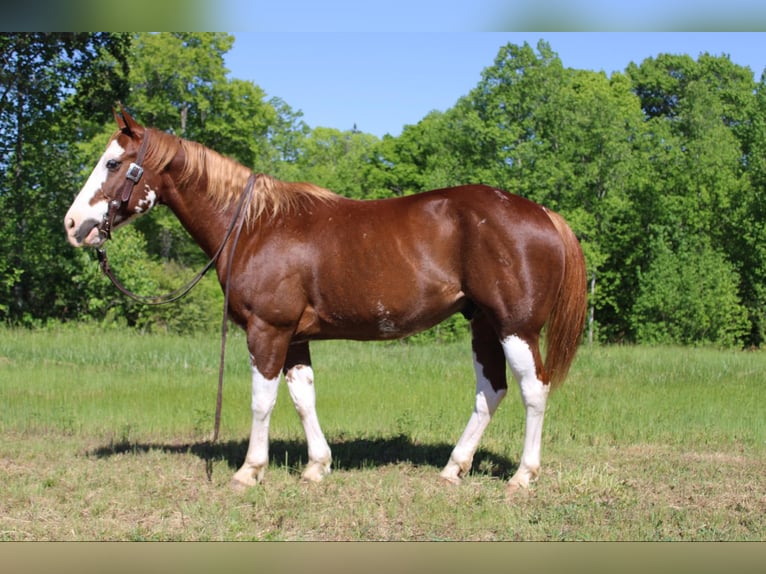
<point x="135" y="171"/>
<point x="177" y="294"/>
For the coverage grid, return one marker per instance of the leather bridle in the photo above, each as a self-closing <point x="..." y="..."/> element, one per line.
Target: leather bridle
<point x="132" y="177"/>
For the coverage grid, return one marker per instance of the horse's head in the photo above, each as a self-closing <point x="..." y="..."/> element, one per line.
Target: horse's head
<point x="118" y="189"/>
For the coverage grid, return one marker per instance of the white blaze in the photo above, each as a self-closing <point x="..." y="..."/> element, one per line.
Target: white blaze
<point x="83" y="209"/>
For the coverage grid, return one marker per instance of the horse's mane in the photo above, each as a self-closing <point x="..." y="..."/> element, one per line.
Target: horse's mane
<point x="226" y="179"/>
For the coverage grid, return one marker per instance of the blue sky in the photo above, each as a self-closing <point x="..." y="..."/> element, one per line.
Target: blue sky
<point x="488" y="15"/>
<point x="381" y="81"/>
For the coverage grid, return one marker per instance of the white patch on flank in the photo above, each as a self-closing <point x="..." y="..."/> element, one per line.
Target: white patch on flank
<point x="385" y="324"/>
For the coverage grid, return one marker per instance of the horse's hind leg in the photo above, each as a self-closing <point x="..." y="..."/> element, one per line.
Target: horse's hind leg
<point x="491" y="387"/>
<point x="524" y="359"/>
<point x="300" y="382"/>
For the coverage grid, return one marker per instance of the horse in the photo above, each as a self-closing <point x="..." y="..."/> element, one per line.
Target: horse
<point x="311" y="264"/>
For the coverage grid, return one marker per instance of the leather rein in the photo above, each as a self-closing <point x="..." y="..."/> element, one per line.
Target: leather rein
<point x="132" y="177"/>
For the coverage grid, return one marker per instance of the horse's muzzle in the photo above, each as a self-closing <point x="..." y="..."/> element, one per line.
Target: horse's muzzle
<point x="87" y="234"/>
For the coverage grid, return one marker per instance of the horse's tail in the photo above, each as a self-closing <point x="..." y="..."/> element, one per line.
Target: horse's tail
<point x="565" y="323"/>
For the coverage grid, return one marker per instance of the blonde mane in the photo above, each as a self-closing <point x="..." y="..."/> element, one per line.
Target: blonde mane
<point x="225" y="178"/>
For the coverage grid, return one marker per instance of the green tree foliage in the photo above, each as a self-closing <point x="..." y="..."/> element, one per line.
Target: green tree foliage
<point x="174" y="76"/>
<point x="689" y="296"/>
<point x="200" y="310"/>
<point x="102" y="302"/>
<point x="661" y="170"/>
<point x="179" y="84"/>
<point x="423" y="157"/>
<point x="660" y="153"/>
<point x="55" y="89"/>
<point x="565" y="138"/>
<point x="701" y="132"/>
<point x="336" y="160"/>
<point x="749" y="219"/>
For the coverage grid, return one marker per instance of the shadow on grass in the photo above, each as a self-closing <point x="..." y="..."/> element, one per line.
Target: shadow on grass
<point x="348" y="454"/>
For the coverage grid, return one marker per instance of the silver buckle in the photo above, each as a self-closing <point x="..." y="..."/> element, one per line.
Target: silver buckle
<point x="134" y="172"/>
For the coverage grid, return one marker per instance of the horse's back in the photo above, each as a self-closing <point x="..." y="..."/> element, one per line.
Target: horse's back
<point x="474" y="204"/>
<point x="404" y="264"/>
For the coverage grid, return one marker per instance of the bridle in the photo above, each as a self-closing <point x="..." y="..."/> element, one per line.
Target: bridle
<point x="132" y="177"/>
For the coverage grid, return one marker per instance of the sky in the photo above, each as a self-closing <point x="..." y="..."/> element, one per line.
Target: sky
<point x="488" y="15"/>
<point x="381" y="81"/>
<point x="383" y="64"/>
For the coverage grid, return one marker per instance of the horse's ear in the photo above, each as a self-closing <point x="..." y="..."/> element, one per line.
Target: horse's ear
<point x="125" y="122"/>
<point x="120" y="122"/>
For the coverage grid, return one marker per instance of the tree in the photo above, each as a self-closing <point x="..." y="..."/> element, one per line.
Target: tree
<point x="423" y="157"/>
<point x="336" y="160"/>
<point x="700" y="134"/>
<point x="661" y="172"/>
<point x="566" y="139"/>
<point x="748" y="226"/>
<point x="173" y="77"/>
<point x="688" y="296"/>
<point x="179" y="85"/>
<point x="52" y="86"/>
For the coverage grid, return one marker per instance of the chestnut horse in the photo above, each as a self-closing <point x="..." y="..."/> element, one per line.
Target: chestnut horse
<point x="310" y="264"/>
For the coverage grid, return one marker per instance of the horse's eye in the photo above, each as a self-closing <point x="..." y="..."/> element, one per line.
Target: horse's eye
<point x="112" y="164"/>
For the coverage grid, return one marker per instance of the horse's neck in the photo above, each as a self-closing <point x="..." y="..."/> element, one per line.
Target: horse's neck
<point x="205" y="222"/>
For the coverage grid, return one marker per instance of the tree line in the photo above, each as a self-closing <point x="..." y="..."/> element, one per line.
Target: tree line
<point x="660" y="170"/>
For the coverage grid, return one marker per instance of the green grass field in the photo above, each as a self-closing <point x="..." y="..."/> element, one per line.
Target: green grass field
<point x="104" y="436"/>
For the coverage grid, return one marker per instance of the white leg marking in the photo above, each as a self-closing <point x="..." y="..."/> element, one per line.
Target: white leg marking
<point x="300" y="383"/>
<point x="534" y="394"/>
<point x="485" y="405"/>
<point x="264" y="397"/>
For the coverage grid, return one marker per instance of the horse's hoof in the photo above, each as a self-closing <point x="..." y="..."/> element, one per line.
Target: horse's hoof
<point x="241" y="481"/>
<point x="450" y="480"/>
<point x="315" y="472"/>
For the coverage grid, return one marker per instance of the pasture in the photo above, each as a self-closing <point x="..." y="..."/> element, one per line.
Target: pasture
<point x="104" y="435"/>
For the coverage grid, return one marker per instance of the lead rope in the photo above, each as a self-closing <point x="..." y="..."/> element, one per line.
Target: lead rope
<point x="240" y="215"/>
<point x="224" y="330"/>
<point x="177" y="294"/>
<point x="225" y="322"/>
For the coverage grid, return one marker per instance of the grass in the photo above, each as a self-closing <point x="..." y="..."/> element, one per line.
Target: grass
<point x="104" y="436"/>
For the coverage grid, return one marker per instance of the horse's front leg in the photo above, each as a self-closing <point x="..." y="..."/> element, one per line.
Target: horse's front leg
<point x="267" y="355"/>
<point x="300" y="383"/>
